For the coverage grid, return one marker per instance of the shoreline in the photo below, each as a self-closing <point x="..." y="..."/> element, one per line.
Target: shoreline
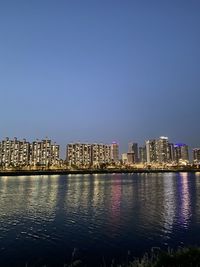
<point x="90" y="171"/>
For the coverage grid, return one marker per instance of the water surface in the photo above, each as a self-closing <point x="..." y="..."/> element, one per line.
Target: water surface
<point x="51" y="219"/>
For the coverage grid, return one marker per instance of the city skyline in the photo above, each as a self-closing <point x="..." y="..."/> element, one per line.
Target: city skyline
<point x="100" y="71"/>
<point x="47" y="152"/>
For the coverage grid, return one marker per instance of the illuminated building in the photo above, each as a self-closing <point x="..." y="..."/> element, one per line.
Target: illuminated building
<point x="171" y="152"/>
<point x="79" y="154"/>
<point x="181" y="153"/>
<point x="115" y="152"/>
<point x="100" y="154"/>
<point x="142" y="154"/>
<point x="55" y="154"/>
<point x="130" y="157"/>
<point x="35" y="153"/>
<point x="44" y="153"/>
<point x="9" y="152"/>
<point x="151" y="150"/>
<point x="159" y="150"/>
<point x="124" y="158"/>
<point x="196" y="155"/>
<point x="85" y="155"/>
<point x="162" y="149"/>
<point x="14" y="153"/>
<point x="133" y="148"/>
<point x="24" y="153"/>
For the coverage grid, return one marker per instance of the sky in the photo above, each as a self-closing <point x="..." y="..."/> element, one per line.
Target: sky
<point x="100" y="71"/>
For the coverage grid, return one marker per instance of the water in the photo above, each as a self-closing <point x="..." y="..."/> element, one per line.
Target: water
<point x="53" y="220"/>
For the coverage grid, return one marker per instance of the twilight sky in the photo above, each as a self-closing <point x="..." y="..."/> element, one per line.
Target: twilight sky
<point x="100" y="71"/>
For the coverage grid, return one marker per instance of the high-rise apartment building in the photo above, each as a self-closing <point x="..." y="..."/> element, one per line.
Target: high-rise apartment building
<point x="171" y="152"/>
<point x="124" y="158"/>
<point x="55" y="154"/>
<point x="160" y="151"/>
<point x="79" y="154"/>
<point x="181" y="153"/>
<point x="115" y="152"/>
<point x="44" y="153"/>
<point x="196" y="155"/>
<point x="151" y="151"/>
<point x="14" y="153"/>
<point x="131" y="158"/>
<point x="86" y="155"/>
<point x="162" y="148"/>
<point x="133" y="148"/>
<point x="101" y="153"/>
<point x="128" y="158"/>
<point x="142" y="154"/>
<point x="35" y="153"/>
<point x="24" y="153"/>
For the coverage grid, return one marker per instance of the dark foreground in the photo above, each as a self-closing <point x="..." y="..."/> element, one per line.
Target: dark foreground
<point x="183" y="257"/>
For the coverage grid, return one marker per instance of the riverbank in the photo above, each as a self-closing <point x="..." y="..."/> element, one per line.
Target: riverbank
<point x="90" y="171"/>
<point x="182" y="257"/>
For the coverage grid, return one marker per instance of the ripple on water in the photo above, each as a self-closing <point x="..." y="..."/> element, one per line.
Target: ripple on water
<point x="100" y="213"/>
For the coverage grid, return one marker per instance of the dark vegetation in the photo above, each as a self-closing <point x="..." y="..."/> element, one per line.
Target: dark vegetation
<point x="182" y="257"/>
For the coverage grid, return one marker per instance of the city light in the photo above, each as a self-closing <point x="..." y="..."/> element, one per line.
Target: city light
<point x="16" y="155"/>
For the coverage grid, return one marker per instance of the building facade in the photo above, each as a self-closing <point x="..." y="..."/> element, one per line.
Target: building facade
<point x="171" y="152"/>
<point x="181" y="153"/>
<point x="142" y="154"/>
<point x="162" y="150"/>
<point x="88" y="155"/>
<point x="44" y="153"/>
<point x="79" y="154"/>
<point x="115" y="152"/>
<point x="196" y="155"/>
<point x="133" y="148"/>
<point x="15" y="153"/>
<point x="151" y="151"/>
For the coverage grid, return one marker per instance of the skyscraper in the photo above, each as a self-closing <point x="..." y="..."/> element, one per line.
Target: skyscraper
<point x="196" y="155"/>
<point x="171" y="152"/>
<point x="151" y="150"/>
<point x="142" y="154"/>
<point x="133" y="148"/>
<point x="181" y="152"/>
<point x="115" y="152"/>
<point x="101" y="154"/>
<point x="14" y="153"/>
<point x="79" y="154"/>
<point x="86" y="155"/>
<point x="44" y="153"/>
<point x="162" y="148"/>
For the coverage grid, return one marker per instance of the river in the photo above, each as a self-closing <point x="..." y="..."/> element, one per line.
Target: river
<point x="54" y="220"/>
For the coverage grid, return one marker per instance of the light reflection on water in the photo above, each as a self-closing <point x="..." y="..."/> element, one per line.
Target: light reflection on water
<point x="33" y="195"/>
<point x="185" y="209"/>
<point x="102" y="214"/>
<point x="197" y="193"/>
<point x="169" y="203"/>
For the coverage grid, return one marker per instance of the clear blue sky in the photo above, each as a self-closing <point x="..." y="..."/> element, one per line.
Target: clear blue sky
<point x="100" y="70"/>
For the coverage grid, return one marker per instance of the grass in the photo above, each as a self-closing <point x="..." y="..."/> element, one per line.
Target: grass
<point x="182" y="257"/>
